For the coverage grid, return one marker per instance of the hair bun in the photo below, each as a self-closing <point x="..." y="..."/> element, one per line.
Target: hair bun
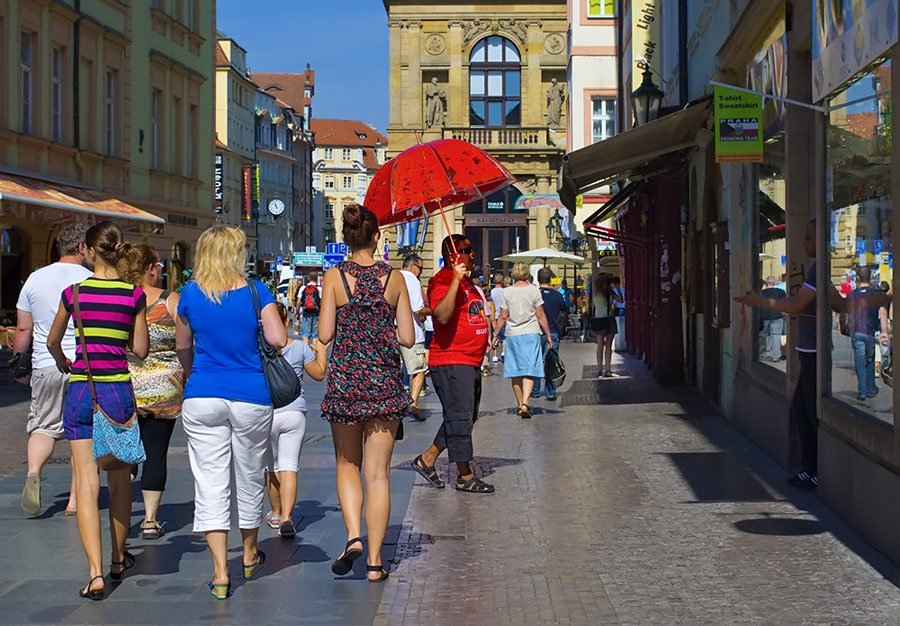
<point x="360" y="226"/>
<point x="352" y="216"/>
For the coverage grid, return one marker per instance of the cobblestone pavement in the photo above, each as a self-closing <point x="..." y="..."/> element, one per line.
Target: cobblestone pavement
<point x="627" y="503"/>
<point x="621" y="503"/>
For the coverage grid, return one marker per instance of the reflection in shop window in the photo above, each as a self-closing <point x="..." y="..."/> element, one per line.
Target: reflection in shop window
<point x="861" y="243"/>
<point x="771" y="268"/>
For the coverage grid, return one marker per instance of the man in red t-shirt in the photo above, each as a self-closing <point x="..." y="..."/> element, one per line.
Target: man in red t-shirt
<point x="457" y="350"/>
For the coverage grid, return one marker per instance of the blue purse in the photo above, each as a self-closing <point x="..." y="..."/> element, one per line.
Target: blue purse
<point x="116" y="445"/>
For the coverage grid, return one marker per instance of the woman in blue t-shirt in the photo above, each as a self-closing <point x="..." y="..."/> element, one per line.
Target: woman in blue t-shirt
<point x="227" y="411"/>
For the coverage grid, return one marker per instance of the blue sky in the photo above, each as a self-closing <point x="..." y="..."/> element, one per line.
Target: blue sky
<point x="345" y="41"/>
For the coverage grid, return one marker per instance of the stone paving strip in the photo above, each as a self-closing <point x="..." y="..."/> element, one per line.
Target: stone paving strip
<point x="626" y="503"/>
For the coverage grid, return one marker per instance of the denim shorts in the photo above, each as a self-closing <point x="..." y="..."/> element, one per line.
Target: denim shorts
<point x="116" y="400"/>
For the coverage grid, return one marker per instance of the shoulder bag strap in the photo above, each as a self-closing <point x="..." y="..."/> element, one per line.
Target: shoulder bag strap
<point x="346" y="286"/>
<point x="84" y="352"/>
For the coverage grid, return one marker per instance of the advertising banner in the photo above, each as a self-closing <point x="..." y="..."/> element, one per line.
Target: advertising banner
<point x="217" y="182"/>
<point x="254" y="206"/>
<point x="739" y="137"/>
<point x="847" y="38"/>
<point x="246" y="193"/>
<point x="645" y="29"/>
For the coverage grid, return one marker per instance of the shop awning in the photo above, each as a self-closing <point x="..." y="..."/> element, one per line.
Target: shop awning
<point x="610" y="206"/>
<point x="57" y="198"/>
<point x="637" y="153"/>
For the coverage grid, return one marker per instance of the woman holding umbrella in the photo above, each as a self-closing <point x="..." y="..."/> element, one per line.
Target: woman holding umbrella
<point x="522" y="310"/>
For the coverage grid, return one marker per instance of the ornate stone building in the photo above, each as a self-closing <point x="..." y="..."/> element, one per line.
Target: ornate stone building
<point x="491" y="73"/>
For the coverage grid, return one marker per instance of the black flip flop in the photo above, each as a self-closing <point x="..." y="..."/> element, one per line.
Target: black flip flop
<point x="126" y="564"/>
<point x="377" y="568"/>
<point x="526" y="414"/>
<point x="92" y="594"/>
<point x="474" y="485"/>
<point x="344" y="563"/>
<point x="427" y="472"/>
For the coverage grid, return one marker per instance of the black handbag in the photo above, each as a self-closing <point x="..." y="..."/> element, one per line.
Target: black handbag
<point x="284" y="385"/>
<point x="554" y="369"/>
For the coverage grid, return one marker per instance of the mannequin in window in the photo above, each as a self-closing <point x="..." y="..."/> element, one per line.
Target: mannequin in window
<point x="555" y="98"/>
<point x="435" y="98"/>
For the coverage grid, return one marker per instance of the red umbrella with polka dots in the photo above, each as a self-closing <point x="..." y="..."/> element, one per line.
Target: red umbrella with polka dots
<point x="433" y="177"/>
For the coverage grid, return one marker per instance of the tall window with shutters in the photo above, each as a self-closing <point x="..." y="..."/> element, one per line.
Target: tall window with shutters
<point x="495" y="83"/>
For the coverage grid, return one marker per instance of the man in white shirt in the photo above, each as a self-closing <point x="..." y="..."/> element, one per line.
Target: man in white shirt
<point x="37" y="306"/>
<point x="414" y="358"/>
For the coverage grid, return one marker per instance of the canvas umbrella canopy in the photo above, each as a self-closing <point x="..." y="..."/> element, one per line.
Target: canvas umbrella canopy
<point x="433" y="177"/>
<point x="547" y="256"/>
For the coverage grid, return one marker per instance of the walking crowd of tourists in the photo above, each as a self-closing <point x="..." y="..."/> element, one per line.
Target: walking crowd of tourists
<point x="115" y="360"/>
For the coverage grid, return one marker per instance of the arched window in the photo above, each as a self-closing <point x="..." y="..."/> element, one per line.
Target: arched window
<point x="495" y="84"/>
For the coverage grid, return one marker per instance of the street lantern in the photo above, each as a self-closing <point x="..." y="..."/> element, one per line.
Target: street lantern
<point x="645" y="100"/>
<point x="553" y="229"/>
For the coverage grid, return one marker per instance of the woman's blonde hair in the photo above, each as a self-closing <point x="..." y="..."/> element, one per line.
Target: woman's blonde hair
<point x="221" y="260"/>
<point x="520" y="271"/>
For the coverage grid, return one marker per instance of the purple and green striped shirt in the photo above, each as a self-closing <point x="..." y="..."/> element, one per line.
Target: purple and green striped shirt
<point x="108" y="308"/>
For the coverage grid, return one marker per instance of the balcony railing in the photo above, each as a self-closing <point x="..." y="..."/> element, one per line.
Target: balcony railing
<point x="535" y="137"/>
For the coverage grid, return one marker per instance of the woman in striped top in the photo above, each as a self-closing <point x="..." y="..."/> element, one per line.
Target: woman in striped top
<point x="113" y="318"/>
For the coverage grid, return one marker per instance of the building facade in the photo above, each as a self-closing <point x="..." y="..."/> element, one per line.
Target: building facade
<point x="127" y="145"/>
<point x="698" y="231"/>
<point x="493" y="74"/>
<point x="347" y="155"/>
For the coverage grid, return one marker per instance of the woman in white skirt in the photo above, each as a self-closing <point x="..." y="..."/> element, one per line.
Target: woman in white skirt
<point x="522" y="312"/>
<point x="288" y="430"/>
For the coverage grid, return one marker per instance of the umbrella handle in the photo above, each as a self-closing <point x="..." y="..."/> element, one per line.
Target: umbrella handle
<point x="447" y="226"/>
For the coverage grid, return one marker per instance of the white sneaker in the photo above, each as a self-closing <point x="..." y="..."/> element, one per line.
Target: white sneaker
<point x="494" y="359"/>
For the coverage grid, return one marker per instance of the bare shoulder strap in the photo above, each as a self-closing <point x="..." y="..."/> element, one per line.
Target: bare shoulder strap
<point x="84" y="352"/>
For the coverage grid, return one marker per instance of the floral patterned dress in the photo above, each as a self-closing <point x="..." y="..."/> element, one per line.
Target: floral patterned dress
<point x="159" y="380"/>
<point x="364" y="379"/>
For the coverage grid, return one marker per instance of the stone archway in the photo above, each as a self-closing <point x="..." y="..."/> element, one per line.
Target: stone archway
<point x="13" y="270"/>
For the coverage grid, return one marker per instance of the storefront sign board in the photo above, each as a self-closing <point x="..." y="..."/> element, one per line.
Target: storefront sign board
<point x="848" y="37"/>
<point x="217" y="182"/>
<point x="739" y="137"/>
<point x="645" y="30"/>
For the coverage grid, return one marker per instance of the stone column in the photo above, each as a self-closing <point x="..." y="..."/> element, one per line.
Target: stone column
<point x="414" y="107"/>
<point x="394" y="64"/>
<point x="532" y="87"/>
<point x="458" y="89"/>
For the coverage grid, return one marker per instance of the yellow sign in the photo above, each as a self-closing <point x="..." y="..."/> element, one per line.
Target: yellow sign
<point x="579" y="201"/>
<point x="645" y="27"/>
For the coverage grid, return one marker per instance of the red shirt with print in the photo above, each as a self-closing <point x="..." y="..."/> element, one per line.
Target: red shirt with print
<point x="463" y="340"/>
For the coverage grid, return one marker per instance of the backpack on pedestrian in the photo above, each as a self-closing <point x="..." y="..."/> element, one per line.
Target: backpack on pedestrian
<point x="554" y="369"/>
<point x="311" y="300"/>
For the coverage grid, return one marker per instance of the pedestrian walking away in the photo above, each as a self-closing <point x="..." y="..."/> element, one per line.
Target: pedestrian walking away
<point x="288" y="430"/>
<point x="603" y="320"/>
<point x="35" y="311"/>
<point x="522" y="310"/>
<point x="111" y="317"/>
<point x="309" y="299"/>
<point x="457" y="350"/>
<point x="496" y="299"/>
<point x="362" y="300"/>
<point x="414" y="358"/>
<point x="227" y="411"/>
<point x="158" y="380"/>
<point x="554" y="306"/>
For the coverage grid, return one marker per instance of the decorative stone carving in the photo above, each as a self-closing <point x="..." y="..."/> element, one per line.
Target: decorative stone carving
<point x="473" y="28"/>
<point x="555" y="96"/>
<point x="528" y="185"/>
<point x="435" y="99"/>
<point x="554" y="43"/>
<point x="435" y="44"/>
<point x="514" y="27"/>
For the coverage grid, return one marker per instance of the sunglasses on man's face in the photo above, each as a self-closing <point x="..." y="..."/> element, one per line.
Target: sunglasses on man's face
<point x="467" y="251"/>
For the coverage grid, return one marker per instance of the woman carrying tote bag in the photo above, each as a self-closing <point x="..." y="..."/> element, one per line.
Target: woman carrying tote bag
<point x="111" y="313"/>
<point x="227" y="410"/>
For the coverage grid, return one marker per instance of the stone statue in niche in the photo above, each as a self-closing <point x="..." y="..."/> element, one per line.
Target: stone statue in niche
<point x="555" y="97"/>
<point x="435" y="105"/>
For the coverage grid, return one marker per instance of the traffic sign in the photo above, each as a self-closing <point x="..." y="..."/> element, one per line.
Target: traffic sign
<point x="279" y="261"/>
<point x="331" y="260"/>
<point x="337" y="248"/>
<point x="879" y="245"/>
<point x="308" y="259"/>
<point x="272" y="267"/>
<point x="860" y="245"/>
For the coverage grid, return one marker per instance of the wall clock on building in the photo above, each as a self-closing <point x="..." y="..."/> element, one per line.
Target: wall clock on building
<point x="276" y="207"/>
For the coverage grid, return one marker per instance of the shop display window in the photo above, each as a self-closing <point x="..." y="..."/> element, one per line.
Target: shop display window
<point x="858" y="184"/>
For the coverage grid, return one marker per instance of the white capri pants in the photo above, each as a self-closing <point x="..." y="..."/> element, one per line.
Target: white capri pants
<point x="221" y="434"/>
<point x="288" y="429"/>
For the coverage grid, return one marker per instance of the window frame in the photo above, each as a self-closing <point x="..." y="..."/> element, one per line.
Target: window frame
<point x="57" y="64"/>
<point x="329" y="154"/>
<point x="110" y="95"/>
<point x="610" y="118"/>
<point x="348" y="181"/>
<point x="346" y="154"/>
<point x="484" y="70"/>
<point x="155" y="123"/>
<point x="602" y="15"/>
<point x="329" y="182"/>
<point x="26" y="82"/>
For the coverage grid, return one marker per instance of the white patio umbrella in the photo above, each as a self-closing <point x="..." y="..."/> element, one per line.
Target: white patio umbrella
<point x="547" y="256"/>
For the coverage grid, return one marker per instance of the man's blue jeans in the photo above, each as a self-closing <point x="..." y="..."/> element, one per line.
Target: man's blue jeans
<point x="864" y="359"/>
<point x="309" y="325"/>
<point x="549" y="390"/>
